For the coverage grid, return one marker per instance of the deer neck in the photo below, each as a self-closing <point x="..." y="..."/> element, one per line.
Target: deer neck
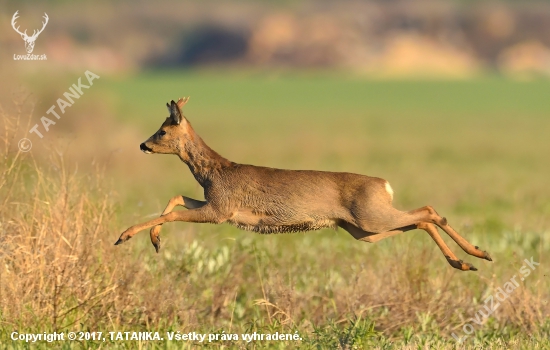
<point x="203" y="161"/>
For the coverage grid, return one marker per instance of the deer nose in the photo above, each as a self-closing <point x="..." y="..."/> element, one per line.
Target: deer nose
<point x="144" y="148"/>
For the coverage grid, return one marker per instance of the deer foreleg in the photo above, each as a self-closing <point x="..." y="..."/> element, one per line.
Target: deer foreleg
<point x="203" y="214"/>
<point x="186" y="202"/>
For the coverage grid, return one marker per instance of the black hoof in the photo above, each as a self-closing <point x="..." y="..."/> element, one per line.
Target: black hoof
<point x="157" y="246"/>
<point x="156" y="243"/>
<point x="461" y="265"/>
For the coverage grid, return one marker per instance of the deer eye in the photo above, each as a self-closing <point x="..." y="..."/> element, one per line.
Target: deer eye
<point x="162" y="133"/>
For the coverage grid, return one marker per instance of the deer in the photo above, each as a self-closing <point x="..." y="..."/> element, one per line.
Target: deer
<point x="268" y="200"/>
<point x="29" y="40"/>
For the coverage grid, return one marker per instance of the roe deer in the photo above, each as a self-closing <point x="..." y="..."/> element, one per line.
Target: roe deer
<point x="271" y="200"/>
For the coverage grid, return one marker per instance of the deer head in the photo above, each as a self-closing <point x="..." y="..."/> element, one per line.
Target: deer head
<point x="29" y="40"/>
<point x="173" y="133"/>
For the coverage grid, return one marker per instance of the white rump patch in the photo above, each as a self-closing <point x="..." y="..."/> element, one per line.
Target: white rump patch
<point x="389" y="189"/>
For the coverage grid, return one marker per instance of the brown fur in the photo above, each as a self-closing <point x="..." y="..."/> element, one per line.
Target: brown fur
<point x="268" y="200"/>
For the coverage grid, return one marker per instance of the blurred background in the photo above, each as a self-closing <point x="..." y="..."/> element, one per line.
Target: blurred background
<point x="457" y="39"/>
<point x="447" y="99"/>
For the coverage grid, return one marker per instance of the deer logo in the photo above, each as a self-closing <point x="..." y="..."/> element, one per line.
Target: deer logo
<point x="29" y="40"/>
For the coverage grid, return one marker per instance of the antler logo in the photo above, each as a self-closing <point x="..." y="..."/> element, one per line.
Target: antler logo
<point x="29" y="40"/>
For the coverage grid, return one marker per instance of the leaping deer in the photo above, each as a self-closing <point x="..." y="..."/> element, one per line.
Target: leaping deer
<point x="269" y="200"/>
<point x="29" y="40"/>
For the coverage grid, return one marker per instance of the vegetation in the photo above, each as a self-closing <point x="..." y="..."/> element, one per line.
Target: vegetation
<point x="475" y="150"/>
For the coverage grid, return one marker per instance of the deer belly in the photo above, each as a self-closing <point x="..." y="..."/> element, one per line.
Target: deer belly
<point x="250" y="221"/>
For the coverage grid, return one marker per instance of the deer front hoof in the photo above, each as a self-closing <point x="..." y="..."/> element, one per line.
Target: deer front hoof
<point x="156" y="244"/>
<point x="155" y="237"/>
<point x="126" y="235"/>
<point x="121" y="240"/>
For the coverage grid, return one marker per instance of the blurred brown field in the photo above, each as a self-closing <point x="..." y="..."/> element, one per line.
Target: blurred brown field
<point x="446" y="100"/>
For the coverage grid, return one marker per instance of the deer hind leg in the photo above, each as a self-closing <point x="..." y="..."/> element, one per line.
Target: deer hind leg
<point x="371" y="237"/>
<point x="451" y="258"/>
<point x="429" y="215"/>
<point x="186" y="202"/>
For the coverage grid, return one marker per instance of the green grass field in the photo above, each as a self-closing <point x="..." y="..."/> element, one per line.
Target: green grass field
<point x="477" y="151"/>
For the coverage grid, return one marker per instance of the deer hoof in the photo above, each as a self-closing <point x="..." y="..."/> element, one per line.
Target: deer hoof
<point x="123" y="238"/>
<point x="461" y="265"/>
<point x="466" y="266"/>
<point x="126" y="235"/>
<point x="155" y="237"/>
<point x="483" y="254"/>
<point x="156" y="244"/>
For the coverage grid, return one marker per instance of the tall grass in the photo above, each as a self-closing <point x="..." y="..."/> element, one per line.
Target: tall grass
<point x="54" y="273"/>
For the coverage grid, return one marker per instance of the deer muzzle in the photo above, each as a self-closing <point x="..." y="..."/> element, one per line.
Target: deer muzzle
<point x="145" y="149"/>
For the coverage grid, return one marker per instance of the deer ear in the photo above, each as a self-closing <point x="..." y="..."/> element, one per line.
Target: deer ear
<point x="175" y="113"/>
